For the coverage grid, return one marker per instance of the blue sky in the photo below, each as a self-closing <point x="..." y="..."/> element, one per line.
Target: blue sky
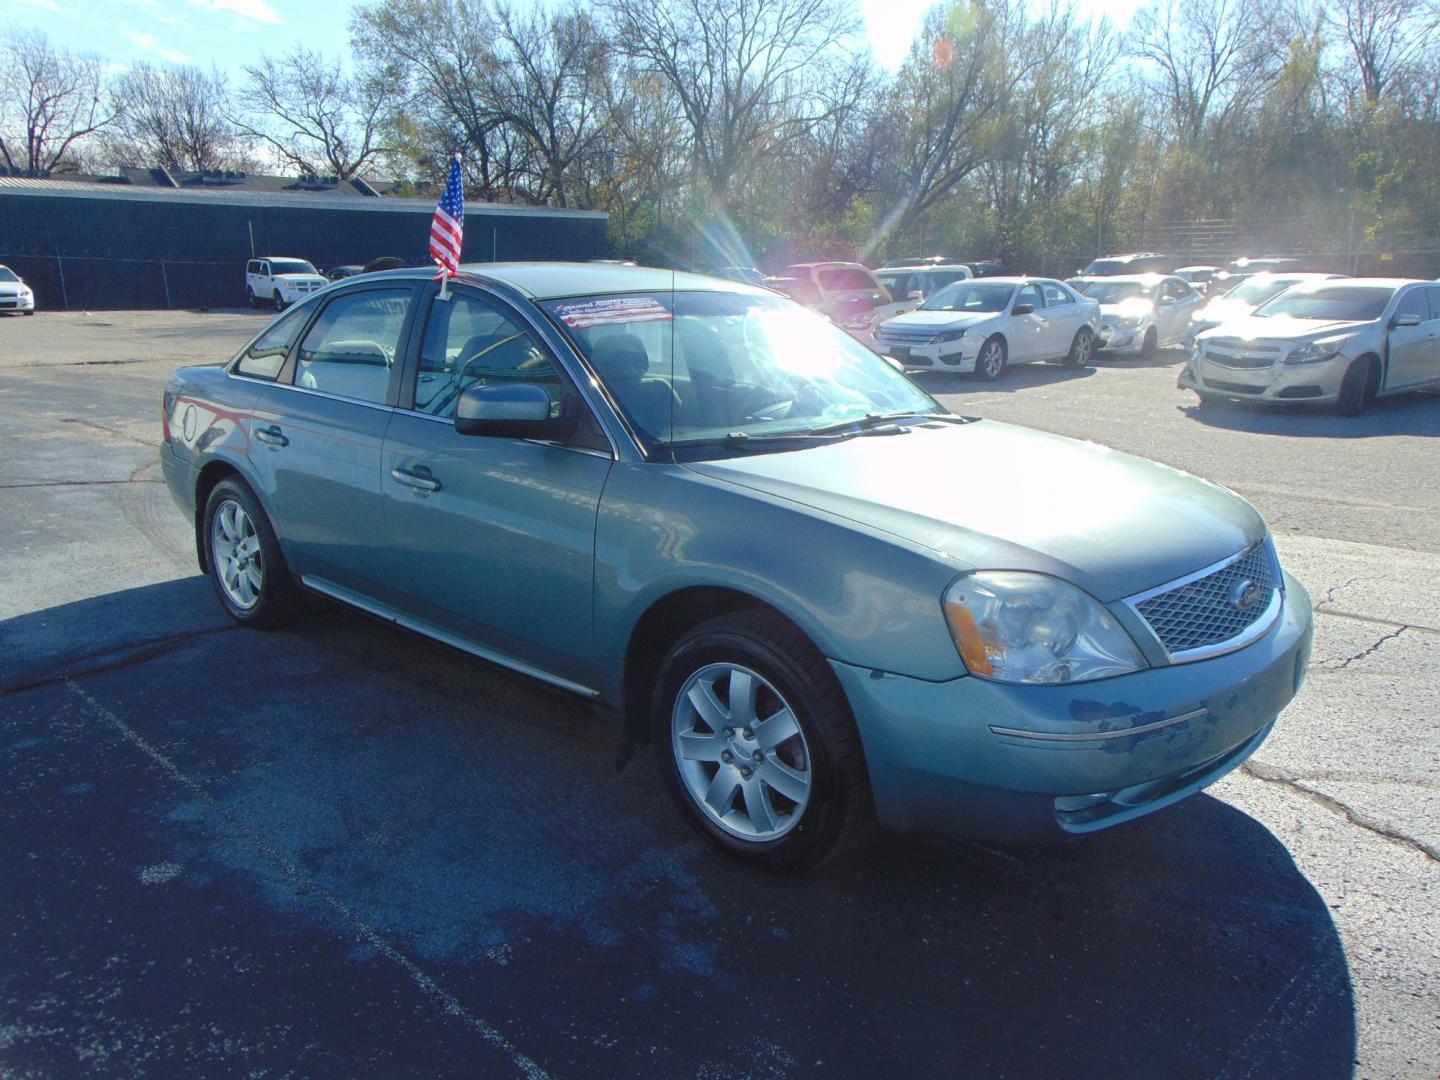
<point x="231" y="33"/>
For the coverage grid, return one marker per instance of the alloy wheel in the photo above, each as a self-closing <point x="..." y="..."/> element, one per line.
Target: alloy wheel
<point x="741" y="752"/>
<point x="235" y="551"/>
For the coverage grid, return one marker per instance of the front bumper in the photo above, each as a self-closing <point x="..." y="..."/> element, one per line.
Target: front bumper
<point x="1280" y="382"/>
<point x="17" y="303"/>
<point x="1112" y="338"/>
<point x="937" y="356"/>
<point x="1023" y="764"/>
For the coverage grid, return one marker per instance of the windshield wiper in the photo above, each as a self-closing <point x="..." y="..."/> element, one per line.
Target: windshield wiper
<point x="875" y="420"/>
<point x="738" y="440"/>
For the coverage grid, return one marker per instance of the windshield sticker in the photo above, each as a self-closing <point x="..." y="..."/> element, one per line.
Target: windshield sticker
<point x="622" y="309"/>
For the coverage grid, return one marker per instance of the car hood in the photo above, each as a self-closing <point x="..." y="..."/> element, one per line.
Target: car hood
<point x="298" y="278"/>
<point x="1218" y="311"/>
<point x="1127" y="309"/>
<point x="1250" y="328"/>
<point x="942" y="320"/>
<point x="994" y="496"/>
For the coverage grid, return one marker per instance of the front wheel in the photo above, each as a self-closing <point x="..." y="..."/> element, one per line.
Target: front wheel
<point x="757" y="743"/>
<point x="247" y="567"/>
<point x="1359" y="387"/>
<point x="280" y="304"/>
<point x="1082" y="349"/>
<point x="991" y="361"/>
<point x="250" y="300"/>
<point x="1150" y="345"/>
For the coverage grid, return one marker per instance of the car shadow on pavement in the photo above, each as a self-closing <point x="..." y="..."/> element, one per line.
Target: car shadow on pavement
<point x="1404" y="414"/>
<point x="1020" y="377"/>
<point x="1171" y="357"/>
<point x="340" y="848"/>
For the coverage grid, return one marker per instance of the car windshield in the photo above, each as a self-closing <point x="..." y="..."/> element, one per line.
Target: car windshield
<point x="1115" y="292"/>
<point x="694" y="367"/>
<point x="893" y="282"/>
<point x="1106" y="267"/>
<point x="1333" y="304"/>
<point x="290" y="266"/>
<point x="6" y="274"/>
<point x="1257" y="290"/>
<point x="970" y="296"/>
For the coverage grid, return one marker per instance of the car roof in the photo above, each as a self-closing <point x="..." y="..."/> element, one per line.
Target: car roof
<point x="1198" y="266"/>
<point x="549" y="280"/>
<point x="1132" y="279"/>
<point x="1367" y="282"/>
<point x="928" y="268"/>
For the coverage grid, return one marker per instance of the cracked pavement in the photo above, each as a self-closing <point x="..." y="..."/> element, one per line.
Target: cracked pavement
<point x="340" y="850"/>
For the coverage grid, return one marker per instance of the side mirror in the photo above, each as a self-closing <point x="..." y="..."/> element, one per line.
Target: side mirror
<point x="1023" y="309"/>
<point x="517" y="411"/>
<point x="1405" y="320"/>
<point x="1167" y="301"/>
<point x="915" y="294"/>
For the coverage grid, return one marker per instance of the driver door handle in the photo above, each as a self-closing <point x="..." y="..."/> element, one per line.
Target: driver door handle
<point x="420" y="481"/>
<point x="272" y="436"/>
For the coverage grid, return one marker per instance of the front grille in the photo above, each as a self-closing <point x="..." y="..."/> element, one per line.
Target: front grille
<point x="1206" y="612"/>
<point x="1234" y="387"/>
<point x="1226" y="360"/>
<point x="896" y="335"/>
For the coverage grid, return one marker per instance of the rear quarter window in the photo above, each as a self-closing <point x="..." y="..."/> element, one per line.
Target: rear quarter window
<point x="266" y="354"/>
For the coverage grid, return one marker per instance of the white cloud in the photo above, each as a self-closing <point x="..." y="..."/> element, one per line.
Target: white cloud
<point x="150" y="45"/>
<point x="259" y="10"/>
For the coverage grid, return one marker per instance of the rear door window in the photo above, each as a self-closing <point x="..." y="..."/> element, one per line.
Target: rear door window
<point x="1055" y="295"/>
<point x="351" y="348"/>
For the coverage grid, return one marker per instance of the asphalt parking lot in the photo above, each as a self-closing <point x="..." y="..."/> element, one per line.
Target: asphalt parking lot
<point x="340" y="850"/>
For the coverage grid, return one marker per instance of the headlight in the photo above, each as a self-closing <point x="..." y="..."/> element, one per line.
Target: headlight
<point x="1128" y="321"/>
<point x="1316" y="352"/>
<point x="1019" y="627"/>
<point x="950" y="335"/>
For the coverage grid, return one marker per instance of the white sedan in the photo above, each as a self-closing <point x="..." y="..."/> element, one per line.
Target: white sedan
<point x="985" y="325"/>
<point x="1142" y="314"/>
<point x="15" y="295"/>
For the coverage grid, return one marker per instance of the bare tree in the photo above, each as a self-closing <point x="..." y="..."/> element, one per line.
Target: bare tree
<point x="312" y="115"/>
<point x="1385" y="37"/>
<point x="747" y="74"/>
<point x="944" y="110"/>
<point x="549" y="84"/>
<point x="172" y="116"/>
<point x="438" y="55"/>
<point x="49" y="100"/>
<point x="1212" y="59"/>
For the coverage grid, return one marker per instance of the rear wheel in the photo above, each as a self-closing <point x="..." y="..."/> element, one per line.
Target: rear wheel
<point x="1082" y="349"/>
<point x="247" y="567"/>
<point x="991" y="361"/>
<point x="1359" y="387"/>
<point x="757" y="742"/>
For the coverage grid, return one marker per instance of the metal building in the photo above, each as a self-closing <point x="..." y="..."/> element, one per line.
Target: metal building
<point x="91" y="245"/>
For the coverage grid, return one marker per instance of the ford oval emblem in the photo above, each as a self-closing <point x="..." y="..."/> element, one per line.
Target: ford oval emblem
<point x="1246" y="594"/>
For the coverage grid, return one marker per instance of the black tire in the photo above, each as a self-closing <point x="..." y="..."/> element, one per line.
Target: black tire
<point x="30" y="312"/>
<point x="280" y="304"/>
<point x="280" y="599"/>
<point x="838" y="813"/>
<point x="1359" y="387"/>
<point x="250" y="300"/>
<point x="1082" y="349"/>
<point x="991" y="371"/>
<point x="1150" y="345"/>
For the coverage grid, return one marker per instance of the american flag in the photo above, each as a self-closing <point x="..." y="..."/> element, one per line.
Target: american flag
<point x="447" y="230"/>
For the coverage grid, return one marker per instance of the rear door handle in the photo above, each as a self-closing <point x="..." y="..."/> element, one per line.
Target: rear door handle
<point x="417" y="480"/>
<point x="272" y="436"/>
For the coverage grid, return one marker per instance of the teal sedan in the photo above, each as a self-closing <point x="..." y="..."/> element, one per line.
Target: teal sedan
<point x="828" y="601"/>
